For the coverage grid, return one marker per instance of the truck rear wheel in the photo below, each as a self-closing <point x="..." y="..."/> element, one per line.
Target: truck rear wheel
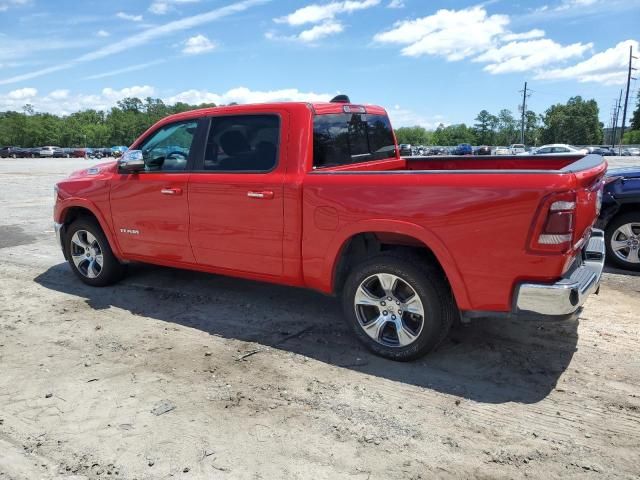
<point x="399" y="306"/>
<point x="89" y="254"/>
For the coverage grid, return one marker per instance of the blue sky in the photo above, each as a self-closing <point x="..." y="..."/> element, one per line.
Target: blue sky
<point x="426" y="61"/>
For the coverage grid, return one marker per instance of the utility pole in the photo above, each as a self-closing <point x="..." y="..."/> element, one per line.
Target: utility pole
<point x="616" y="113"/>
<point x="524" y="111"/>
<point x="626" y="98"/>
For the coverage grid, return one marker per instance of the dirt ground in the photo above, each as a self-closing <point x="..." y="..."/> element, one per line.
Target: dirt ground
<point x="175" y="374"/>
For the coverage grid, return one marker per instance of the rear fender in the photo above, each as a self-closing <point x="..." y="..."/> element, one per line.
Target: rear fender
<point x="425" y="237"/>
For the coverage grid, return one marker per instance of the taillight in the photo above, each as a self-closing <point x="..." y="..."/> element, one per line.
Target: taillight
<point x="554" y="228"/>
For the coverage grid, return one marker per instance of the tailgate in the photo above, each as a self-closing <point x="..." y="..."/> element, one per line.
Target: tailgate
<point x="588" y="172"/>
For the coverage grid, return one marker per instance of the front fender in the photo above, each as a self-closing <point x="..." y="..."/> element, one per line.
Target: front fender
<point x="64" y="206"/>
<point x="424" y="236"/>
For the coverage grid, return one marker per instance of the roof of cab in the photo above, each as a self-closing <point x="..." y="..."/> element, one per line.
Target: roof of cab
<point x="319" y="108"/>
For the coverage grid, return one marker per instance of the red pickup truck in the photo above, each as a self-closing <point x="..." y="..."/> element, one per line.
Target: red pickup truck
<point x="317" y="196"/>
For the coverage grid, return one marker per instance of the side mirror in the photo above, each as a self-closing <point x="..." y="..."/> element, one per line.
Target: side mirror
<point x="131" y="161"/>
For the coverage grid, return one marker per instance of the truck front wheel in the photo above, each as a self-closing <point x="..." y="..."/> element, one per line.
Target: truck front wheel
<point x="623" y="241"/>
<point x="400" y="307"/>
<point x="90" y="255"/>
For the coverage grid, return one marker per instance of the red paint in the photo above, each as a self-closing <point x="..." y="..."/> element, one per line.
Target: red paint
<point x="477" y="216"/>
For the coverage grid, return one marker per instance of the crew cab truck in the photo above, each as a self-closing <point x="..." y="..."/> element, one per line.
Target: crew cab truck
<point x="318" y="196"/>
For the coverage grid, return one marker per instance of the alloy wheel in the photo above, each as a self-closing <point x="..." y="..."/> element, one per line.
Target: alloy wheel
<point x="389" y="310"/>
<point x="86" y="254"/>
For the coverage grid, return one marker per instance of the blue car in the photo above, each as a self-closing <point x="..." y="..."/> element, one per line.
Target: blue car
<point x="463" y="149"/>
<point x="620" y="217"/>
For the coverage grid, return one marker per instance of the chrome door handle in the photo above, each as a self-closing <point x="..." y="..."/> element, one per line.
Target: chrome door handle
<point x="171" y="191"/>
<point x="260" y="195"/>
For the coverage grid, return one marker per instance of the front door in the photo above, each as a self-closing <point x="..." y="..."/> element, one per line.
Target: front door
<point x="236" y="195"/>
<point x="150" y="209"/>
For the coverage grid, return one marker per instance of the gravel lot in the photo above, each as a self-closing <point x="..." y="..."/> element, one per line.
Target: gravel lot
<point x="186" y="375"/>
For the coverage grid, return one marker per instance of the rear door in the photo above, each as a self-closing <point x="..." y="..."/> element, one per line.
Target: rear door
<point x="236" y="195"/>
<point x="150" y="209"/>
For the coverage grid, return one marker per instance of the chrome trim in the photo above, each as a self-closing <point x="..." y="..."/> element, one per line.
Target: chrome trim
<point x="568" y="294"/>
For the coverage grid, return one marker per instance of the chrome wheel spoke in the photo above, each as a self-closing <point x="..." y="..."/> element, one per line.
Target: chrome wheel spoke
<point x="91" y="269"/>
<point x="387" y="282"/>
<point x="91" y="240"/>
<point x="79" y="259"/>
<point x="375" y="327"/>
<point x="633" y="256"/>
<point x="414" y="305"/>
<point x="99" y="260"/>
<point x="363" y="297"/>
<point x="79" y="241"/>
<point x="618" y="245"/>
<point x="405" y="336"/>
<point x="626" y="230"/>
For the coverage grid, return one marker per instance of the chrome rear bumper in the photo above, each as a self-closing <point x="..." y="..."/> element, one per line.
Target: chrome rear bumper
<point x="568" y="294"/>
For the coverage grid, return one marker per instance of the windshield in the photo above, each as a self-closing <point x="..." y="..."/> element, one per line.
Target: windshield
<point x="342" y="139"/>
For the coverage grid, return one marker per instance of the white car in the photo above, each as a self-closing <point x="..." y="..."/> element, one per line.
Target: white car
<point x="502" y="151"/>
<point x="47" y="151"/>
<point x="557" y="149"/>
<point x="517" y="148"/>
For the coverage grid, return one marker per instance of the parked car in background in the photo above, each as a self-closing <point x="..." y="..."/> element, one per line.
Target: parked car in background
<point x="33" y="152"/>
<point x="482" y="150"/>
<point x="390" y="235"/>
<point x="10" y="152"/>
<point x="557" y="149"/>
<point x="631" y="152"/>
<point x="47" y="151"/>
<point x="502" y="151"/>
<point x="620" y="217"/>
<point x="62" y="153"/>
<point x="517" y="148"/>
<point x="405" y="149"/>
<point x="463" y="149"/>
<point x="78" y="152"/>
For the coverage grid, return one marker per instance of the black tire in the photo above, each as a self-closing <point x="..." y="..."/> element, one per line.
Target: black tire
<point x="111" y="271"/>
<point x="617" y="222"/>
<point x="428" y="283"/>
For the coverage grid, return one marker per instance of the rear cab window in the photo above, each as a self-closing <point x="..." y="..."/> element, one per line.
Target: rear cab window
<point x="347" y="138"/>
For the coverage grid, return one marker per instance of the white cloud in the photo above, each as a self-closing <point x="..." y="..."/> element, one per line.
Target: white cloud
<point x="245" y="95"/>
<point x="396" y="4"/>
<point x="403" y="117"/>
<point x="63" y="102"/>
<point x="161" y="7"/>
<point x="127" y="16"/>
<point x="529" y="55"/>
<point x="22" y="94"/>
<point x="141" y="38"/>
<point x="453" y="34"/>
<point x="198" y="44"/>
<point x="315" y="13"/>
<point x="535" y="33"/>
<point x="318" y="32"/>
<point x="7" y="4"/>
<point x="608" y="67"/>
<point x="102" y="33"/>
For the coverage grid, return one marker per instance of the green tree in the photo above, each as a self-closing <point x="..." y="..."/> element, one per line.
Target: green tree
<point x="414" y="135"/>
<point x="453" y="135"/>
<point x="575" y="122"/>
<point x="485" y="127"/>
<point x="507" y="128"/>
<point x="631" y="137"/>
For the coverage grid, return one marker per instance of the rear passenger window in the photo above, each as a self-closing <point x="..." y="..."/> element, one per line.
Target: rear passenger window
<point x="342" y="139"/>
<point x="242" y="143"/>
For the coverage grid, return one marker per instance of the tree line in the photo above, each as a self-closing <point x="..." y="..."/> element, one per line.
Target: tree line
<point x="574" y="122"/>
<point x="121" y="125"/>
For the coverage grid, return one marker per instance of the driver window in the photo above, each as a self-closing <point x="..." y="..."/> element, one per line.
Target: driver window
<point x="167" y="149"/>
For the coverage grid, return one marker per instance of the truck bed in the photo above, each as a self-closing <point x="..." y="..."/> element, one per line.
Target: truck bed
<point x="493" y="164"/>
